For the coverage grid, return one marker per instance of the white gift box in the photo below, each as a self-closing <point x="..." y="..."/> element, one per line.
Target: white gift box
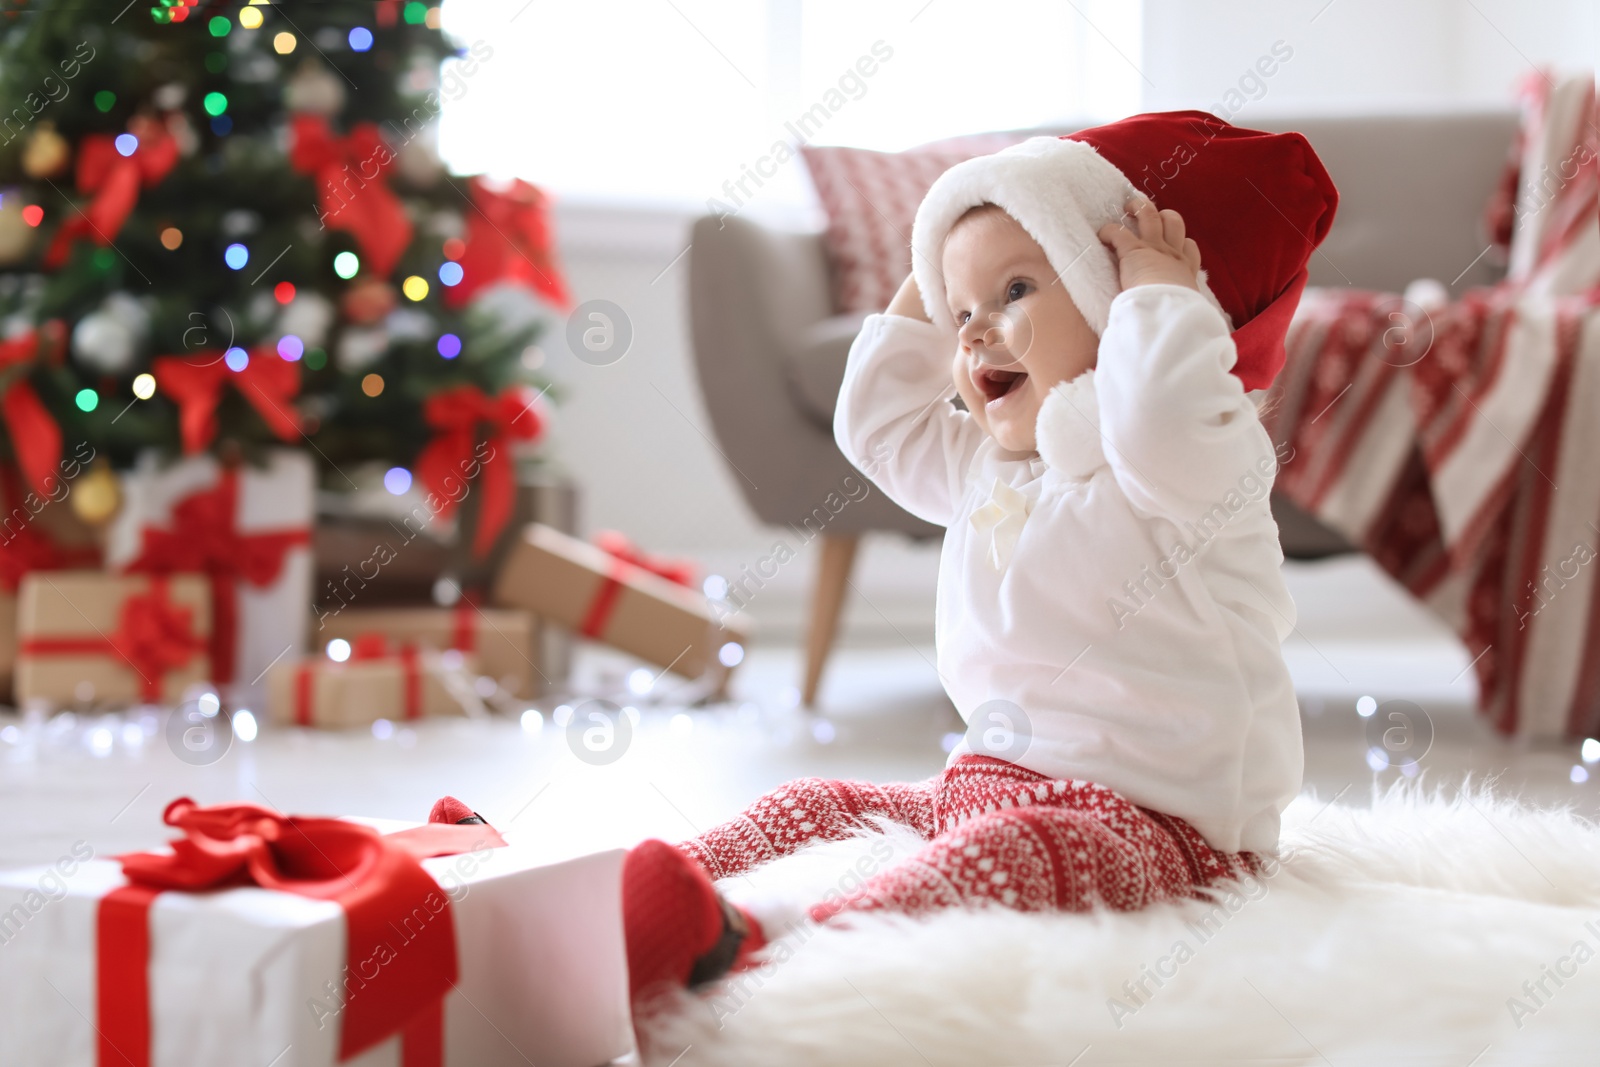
<point x="272" y="620"/>
<point x="235" y="976"/>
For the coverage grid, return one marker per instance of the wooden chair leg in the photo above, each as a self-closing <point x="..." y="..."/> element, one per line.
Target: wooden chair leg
<point x="827" y="598"/>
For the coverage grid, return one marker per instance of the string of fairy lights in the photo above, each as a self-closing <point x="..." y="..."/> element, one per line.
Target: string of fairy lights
<point x="237" y="255"/>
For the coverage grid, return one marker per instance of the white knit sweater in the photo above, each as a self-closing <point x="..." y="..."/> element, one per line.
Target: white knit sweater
<point x="1112" y="607"/>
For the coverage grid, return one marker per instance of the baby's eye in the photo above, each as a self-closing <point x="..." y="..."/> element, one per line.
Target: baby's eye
<point x="1017" y="290"/>
<point x="962" y="317"/>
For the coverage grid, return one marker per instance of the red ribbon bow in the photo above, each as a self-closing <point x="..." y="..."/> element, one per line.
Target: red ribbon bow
<point x="458" y="415"/>
<point x="508" y="239"/>
<point x="153" y="636"/>
<point x="204" y="537"/>
<point x="627" y="557"/>
<point x="267" y="381"/>
<point x="397" y="919"/>
<point x="116" y="180"/>
<point x="351" y="192"/>
<point x="35" y="437"/>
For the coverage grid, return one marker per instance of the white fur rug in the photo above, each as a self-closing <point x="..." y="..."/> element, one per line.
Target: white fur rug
<point x="1460" y="931"/>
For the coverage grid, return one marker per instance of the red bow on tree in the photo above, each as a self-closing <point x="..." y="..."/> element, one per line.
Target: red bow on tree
<point x="351" y="192"/>
<point x="203" y="536"/>
<point x="508" y="239"/>
<point x="30" y="550"/>
<point x="115" y="181"/>
<point x="377" y="879"/>
<point x="267" y="381"/>
<point x="35" y="437"/>
<point x="460" y="415"/>
<point x="680" y="571"/>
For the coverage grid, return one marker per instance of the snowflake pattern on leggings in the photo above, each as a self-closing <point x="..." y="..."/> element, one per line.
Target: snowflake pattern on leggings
<point x="997" y="833"/>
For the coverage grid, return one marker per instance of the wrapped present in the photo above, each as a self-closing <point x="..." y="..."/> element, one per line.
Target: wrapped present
<point x="36" y="534"/>
<point x="380" y="680"/>
<point x="113" y="639"/>
<point x="247" y="530"/>
<point x="505" y="642"/>
<point x="612" y="592"/>
<point x="305" y="942"/>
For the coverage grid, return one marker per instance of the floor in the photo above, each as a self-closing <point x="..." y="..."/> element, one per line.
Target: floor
<point x="574" y="781"/>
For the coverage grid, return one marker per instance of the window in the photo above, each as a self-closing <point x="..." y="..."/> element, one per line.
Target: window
<point x="666" y="100"/>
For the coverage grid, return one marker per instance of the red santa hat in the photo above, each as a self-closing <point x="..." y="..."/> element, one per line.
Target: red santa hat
<point x="1257" y="204"/>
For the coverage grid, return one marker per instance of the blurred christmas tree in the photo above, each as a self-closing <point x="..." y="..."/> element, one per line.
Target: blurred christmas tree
<point x="223" y="224"/>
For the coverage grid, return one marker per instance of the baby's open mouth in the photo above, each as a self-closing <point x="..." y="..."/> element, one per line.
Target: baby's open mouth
<point x="996" y="383"/>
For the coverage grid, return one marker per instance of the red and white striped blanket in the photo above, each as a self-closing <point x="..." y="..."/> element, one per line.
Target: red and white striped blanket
<point x="1459" y="443"/>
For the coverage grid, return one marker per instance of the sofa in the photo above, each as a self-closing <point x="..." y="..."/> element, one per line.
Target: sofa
<point x="770" y="348"/>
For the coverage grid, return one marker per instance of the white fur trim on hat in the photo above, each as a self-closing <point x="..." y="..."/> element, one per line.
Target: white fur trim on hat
<point x="1068" y="428"/>
<point x="1060" y="191"/>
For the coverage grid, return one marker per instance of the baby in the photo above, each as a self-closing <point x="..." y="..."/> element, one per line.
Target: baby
<point x="1110" y="607"/>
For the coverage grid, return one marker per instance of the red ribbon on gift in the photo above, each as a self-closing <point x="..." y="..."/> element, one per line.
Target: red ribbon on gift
<point x="677" y="571"/>
<point x="459" y="415"/>
<point x="376" y="647"/>
<point x="508" y="239"/>
<point x="626" y="558"/>
<point x="267" y="381"/>
<point x="204" y="537"/>
<point x="115" y="180"/>
<point x="351" y="192"/>
<point x="154" y="635"/>
<point x="465" y="636"/>
<point x="35" y="437"/>
<point x="365" y="648"/>
<point x="377" y="879"/>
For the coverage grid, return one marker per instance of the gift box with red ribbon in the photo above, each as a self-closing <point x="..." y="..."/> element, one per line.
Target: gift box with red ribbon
<point x="247" y="530"/>
<point x="36" y="534"/>
<point x="381" y="679"/>
<point x="111" y="639"/>
<point x="505" y="643"/>
<point x="612" y="591"/>
<point x="305" y="942"/>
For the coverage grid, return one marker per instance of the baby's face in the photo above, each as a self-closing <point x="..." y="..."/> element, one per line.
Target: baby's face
<point x="1020" y="332"/>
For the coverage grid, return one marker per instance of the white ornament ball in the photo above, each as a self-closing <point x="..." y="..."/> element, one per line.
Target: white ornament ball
<point x="130" y="311"/>
<point x="314" y="89"/>
<point x="418" y="159"/>
<point x="360" y="348"/>
<point x="103" y="342"/>
<point x="308" y="316"/>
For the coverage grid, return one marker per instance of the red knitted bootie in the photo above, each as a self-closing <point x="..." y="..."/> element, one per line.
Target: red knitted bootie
<point x="450" y="810"/>
<point x="680" y="933"/>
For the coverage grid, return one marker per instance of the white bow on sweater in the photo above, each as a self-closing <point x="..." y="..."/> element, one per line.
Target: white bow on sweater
<point x="1069" y="441"/>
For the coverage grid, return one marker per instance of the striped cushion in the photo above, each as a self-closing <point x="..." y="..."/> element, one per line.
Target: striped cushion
<point x="871" y="199"/>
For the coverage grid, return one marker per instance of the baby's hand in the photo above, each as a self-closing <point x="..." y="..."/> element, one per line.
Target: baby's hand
<point x="1151" y="249"/>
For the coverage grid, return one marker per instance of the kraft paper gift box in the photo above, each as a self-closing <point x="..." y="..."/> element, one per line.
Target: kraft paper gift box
<point x="37" y="533"/>
<point x="616" y="599"/>
<point x="111" y="639"/>
<point x="247" y="529"/>
<point x="396" y="683"/>
<point x="243" y="975"/>
<point x="506" y="643"/>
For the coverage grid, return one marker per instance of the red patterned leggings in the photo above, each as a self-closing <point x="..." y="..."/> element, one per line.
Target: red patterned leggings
<point x="996" y="833"/>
